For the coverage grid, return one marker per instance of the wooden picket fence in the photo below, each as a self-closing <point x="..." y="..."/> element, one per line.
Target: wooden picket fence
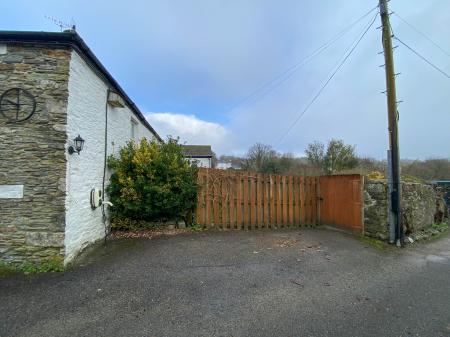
<point x="247" y="200"/>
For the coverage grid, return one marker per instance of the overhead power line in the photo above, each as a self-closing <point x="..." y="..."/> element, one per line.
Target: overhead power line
<point x="423" y="57"/>
<point x="276" y="81"/>
<point x="339" y="66"/>
<point x="423" y="35"/>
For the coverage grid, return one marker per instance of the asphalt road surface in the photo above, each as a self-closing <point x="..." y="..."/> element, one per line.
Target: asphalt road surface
<point x="265" y="283"/>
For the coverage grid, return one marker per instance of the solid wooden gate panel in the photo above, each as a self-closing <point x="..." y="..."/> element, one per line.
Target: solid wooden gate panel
<point x="341" y="201"/>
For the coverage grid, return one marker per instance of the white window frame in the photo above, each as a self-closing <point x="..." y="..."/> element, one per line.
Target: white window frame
<point x="134" y="129"/>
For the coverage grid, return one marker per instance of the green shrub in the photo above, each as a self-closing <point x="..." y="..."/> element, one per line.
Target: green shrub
<point x="151" y="182"/>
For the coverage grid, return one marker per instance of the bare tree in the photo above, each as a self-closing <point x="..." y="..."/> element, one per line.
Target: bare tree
<point x="315" y="152"/>
<point x="338" y="156"/>
<point x="259" y="157"/>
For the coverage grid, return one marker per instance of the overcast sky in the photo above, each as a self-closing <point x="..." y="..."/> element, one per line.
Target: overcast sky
<point x="188" y="64"/>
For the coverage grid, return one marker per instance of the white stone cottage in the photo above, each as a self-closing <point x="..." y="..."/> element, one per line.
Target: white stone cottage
<point x="52" y="90"/>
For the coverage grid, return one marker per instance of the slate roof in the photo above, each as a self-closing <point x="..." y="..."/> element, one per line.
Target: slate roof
<point x="197" y="151"/>
<point x="72" y="39"/>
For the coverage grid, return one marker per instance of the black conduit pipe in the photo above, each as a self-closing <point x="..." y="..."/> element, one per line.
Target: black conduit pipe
<point x="104" y="164"/>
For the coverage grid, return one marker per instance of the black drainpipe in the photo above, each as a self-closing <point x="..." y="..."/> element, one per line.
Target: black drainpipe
<point x="104" y="164"/>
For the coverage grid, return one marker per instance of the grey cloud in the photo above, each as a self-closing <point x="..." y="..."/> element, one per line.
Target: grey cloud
<point x="198" y="57"/>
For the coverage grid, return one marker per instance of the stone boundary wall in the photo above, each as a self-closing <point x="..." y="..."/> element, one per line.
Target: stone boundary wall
<point x="421" y="204"/>
<point x="32" y="154"/>
<point x="442" y="203"/>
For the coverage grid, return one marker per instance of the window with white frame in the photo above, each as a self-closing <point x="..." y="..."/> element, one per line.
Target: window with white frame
<point x="134" y="129"/>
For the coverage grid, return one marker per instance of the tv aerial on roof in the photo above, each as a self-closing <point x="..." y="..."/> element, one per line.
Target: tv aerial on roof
<point x="63" y="25"/>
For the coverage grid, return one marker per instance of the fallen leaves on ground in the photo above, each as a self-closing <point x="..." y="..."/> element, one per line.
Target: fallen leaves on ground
<point x="149" y="233"/>
<point x="285" y="243"/>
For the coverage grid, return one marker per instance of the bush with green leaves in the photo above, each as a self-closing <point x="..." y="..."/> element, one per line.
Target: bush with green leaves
<point x="152" y="182"/>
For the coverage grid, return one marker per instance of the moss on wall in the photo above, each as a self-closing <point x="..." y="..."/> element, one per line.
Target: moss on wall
<point x="419" y="207"/>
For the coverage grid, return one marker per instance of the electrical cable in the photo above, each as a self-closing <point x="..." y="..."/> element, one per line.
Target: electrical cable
<point x="423" y="57"/>
<point x="354" y="45"/>
<point x="285" y="75"/>
<point x="423" y="35"/>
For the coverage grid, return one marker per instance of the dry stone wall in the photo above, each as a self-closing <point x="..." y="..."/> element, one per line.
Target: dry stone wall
<point x="32" y="154"/>
<point x="442" y="203"/>
<point x="419" y="208"/>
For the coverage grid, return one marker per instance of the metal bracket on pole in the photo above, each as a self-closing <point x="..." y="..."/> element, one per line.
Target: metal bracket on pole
<point x="391" y="217"/>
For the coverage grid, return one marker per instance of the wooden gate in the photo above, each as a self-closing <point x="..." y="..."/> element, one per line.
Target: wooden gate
<point x="341" y="201"/>
<point x="248" y="200"/>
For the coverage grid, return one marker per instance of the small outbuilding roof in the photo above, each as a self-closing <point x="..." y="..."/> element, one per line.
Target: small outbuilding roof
<point x="197" y="151"/>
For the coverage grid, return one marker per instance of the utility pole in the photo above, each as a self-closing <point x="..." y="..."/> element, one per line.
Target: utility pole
<point x="395" y="196"/>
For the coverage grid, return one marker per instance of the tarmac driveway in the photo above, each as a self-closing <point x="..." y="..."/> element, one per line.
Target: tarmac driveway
<point x="264" y="283"/>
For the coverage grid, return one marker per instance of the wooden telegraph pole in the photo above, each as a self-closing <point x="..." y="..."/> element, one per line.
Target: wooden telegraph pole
<point x="393" y="119"/>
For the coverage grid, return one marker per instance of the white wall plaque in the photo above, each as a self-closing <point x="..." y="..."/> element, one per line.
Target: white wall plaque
<point x="11" y="191"/>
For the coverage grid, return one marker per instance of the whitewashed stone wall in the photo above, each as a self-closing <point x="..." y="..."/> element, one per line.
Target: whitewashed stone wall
<point x="201" y="162"/>
<point x="86" y="116"/>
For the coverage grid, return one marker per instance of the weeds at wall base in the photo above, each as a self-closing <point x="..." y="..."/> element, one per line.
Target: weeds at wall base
<point x="375" y="243"/>
<point x="435" y="232"/>
<point x="195" y="227"/>
<point x="48" y="266"/>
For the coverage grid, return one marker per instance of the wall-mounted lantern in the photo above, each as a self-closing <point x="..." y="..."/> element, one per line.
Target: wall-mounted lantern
<point x="78" y="143"/>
